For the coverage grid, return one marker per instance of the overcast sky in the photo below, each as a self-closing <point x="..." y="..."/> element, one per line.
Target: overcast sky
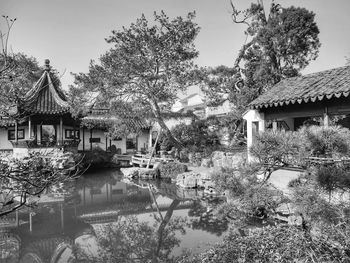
<point x="71" y="32"/>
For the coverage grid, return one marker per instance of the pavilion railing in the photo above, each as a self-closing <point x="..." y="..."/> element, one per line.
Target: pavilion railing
<point x="31" y="144"/>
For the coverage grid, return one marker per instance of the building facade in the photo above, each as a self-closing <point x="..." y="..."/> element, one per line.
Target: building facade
<point x="294" y="102"/>
<point x="42" y="121"/>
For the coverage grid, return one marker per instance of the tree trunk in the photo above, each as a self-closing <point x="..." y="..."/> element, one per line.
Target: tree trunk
<point x="164" y="223"/>
<point x="165" y="129"/>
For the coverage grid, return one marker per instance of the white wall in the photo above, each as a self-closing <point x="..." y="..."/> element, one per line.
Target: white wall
<point x="142" y="141"/>
<point x="95" y="134"/>
<point x="5" y="144"/>
<point x="222" y="109"/>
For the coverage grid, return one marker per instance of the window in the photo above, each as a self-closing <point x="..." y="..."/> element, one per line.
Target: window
<point x="131" y="142"/>
<point x="95" y="140"/>
<point x="72" y="134"/>
<point x="20" y="134"/>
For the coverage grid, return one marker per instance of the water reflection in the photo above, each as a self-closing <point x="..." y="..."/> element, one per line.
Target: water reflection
<point x="104" y="218"/>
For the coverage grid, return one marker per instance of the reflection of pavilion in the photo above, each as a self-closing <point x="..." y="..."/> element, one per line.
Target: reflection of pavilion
<point x="60" y="223"/>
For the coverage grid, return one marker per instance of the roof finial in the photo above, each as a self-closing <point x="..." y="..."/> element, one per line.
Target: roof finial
<point x="47" y="64"/>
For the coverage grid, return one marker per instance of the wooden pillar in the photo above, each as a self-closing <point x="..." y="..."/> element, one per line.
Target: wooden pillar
<point x="62" y="216"/>
<point x="84" y="198"/>
<point x="107" y="191"/>
<point x="17" y="218"/>
<point x="30" y="222"/>
<point x="91" y="139"/>
<point x="106" y="143"/>
<point x="30" y="128"/>
<point x="61" y="130"/>
<point x="16" y="131"/>
<point x="83" y="139"/>
<point x="274" y="125"/>
<point x="326" y="118"/>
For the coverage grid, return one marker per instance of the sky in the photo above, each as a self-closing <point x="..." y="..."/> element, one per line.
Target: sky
<point x="72" y="32"/>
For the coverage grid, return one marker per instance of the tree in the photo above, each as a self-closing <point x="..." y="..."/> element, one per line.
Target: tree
<point x="147" y="66"/>
<point x="21" y="181"/>
<point x="277" y="46"/>
<point x="18" y="73"/>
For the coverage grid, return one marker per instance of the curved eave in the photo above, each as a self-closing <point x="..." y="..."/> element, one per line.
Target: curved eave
<point x="301" y="100"/>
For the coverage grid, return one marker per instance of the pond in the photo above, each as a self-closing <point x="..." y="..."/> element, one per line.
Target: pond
<point x="102" y="216"/>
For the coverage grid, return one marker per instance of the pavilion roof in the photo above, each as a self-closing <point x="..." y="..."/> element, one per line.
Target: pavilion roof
<point x="45" y="97"/>
<point x="314" y="87"/>
<point x="101" y="118"/>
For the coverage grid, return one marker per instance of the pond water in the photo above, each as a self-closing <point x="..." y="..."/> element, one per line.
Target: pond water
<point x="104" y="217"/>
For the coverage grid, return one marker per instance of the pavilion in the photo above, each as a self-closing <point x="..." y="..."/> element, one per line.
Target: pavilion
<point x="293" y="102"/>
<point x="41" y="121"/>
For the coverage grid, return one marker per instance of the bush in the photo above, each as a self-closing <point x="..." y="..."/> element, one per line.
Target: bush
<point x="279" y="148"/>
<point x="171" y="170"/>
<point x="275" y="244"/>
<point x="295" y="183"/>
<point x="196" y="136"/>
<point x="331" y="141"/>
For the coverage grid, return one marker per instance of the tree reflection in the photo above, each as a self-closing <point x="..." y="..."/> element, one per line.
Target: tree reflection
<point x="130" y="240"/>
<point x="205" y="219"/>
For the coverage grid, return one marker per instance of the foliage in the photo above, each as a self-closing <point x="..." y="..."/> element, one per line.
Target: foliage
<point x="277" y="46"/>
<point x="171" y="169"/>
<point x="196" y="136"/>
<point x="333" y="177"/>
<point x="228" y="179"/>
<point x="129" y="240"/>
<point x="279" y="148"/>
<point x="295" y="183"/>
<point x="30" y="177"/>
<point x="248" y="197"/>
<point x="97" y="157"/>
<point x="331" y="141"/>
<point x="147" y="66"/>
<point x="18" y="72"/>
<point x="275" y="244"/>
<point x="309" y="201"/>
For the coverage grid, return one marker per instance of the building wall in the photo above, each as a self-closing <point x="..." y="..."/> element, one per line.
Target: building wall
<point x="5" y="144"/>
<point x="142" y="141"/>
<point x="222" y="109"/>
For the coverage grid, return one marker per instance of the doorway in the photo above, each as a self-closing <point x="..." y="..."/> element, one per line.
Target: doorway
<point x="48" y="135"/>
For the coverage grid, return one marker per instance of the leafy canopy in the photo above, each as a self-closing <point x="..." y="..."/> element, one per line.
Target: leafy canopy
<point x="148" y="65"/>
<point x="277" y="46"/>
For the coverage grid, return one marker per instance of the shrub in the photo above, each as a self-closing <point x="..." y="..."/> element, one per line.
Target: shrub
<point x="171" y="170"/>
<point x="196" y="136"/>
<point x="278" y="148"/>
<point x="331" y="141"/>
<point x="274" y="244"/>
<point x="295" y="182"/>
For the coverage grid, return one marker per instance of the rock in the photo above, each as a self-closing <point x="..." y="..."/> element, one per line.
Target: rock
<point x="131" y="172"/>
<point x="145" y="173"/>
<point x="187" y="193"/>
<point x="206" y="162"/>
<point x="187" y="180"/>
<point x="295" y="220"/>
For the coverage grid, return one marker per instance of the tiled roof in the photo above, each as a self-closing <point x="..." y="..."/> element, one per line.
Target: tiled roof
<point x="309" y="88"/>
<point x="45" y="97"/>
<point x="101" y="121"/>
